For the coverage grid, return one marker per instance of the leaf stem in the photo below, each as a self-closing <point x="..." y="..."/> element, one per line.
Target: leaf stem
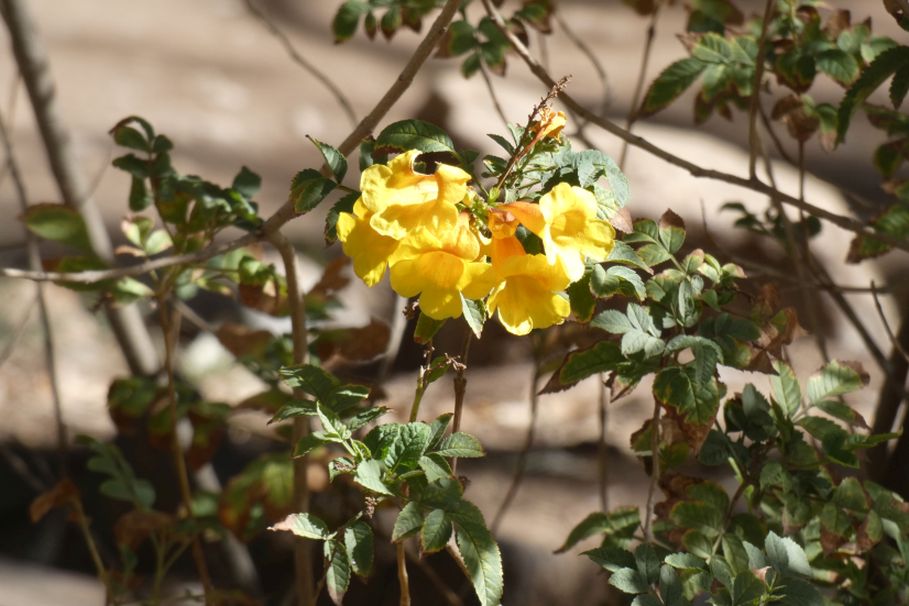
<point x="403" y="581"/>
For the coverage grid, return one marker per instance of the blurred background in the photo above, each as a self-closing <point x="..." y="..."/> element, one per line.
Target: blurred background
<point x="211" y="76"/>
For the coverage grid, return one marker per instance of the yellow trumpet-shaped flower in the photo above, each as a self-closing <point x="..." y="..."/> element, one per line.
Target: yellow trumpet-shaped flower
<point x="503" y="223"/>
<point x="370" y="251"/>
<point x="440" y="266"/>
<point x="572" y="230"/>
<point x="526" y="298"/>
<point x="549" y="124"/>
<point x="403" y="200"/>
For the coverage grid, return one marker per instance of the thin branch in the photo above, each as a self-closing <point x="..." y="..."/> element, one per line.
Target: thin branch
<point x="34" y="260"/>
<point x="388" y="100"/>
<point x="31" y="58"/>
<point x="170" y="326"/>
<point x="18" y="331"/>
<point x="897" y="346"/>
<point x="492" y="94"/>
<point x="460" y="390"/>
<point x="300" y="60"/>
<point x="654" y="471"/>
<point x="521" y="467"/>
<point x="753" y="184"/>
<point x="303" y="562"/>
<point x="753" y="143"/>
<point x="603" y="446"/>
<point x="639" y="85"/>
<point x="403" y="581"/>
<point x="587" y="52"/>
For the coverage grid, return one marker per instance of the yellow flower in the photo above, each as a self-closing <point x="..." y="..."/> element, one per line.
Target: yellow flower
<point x="572" y="230"/>
<point x="527" y="299"/>
<point x="549" y="124"/>
<point x="370" y="251"/>
<point x="403" y="200"/>
<point x="440" y="266"/>
<point x="503" y="223"/>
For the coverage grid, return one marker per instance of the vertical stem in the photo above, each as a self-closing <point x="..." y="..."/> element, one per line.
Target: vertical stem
<point x="639" y="85"/>
<point x="31" y="59"/>
<point x="82" y="520"/>
<point x="654" y="472"/>
<point x="521" y="467"/>
<point x="460" y="389"/>
<point x="421" y="383"/>
<point x="603" y="447"/>
<point x="34" y="262"/>
<point x="403" y="581"/>
<point x="753" y="144"/>
<point x="303" y="569"/>
<point x="170" y="325"/>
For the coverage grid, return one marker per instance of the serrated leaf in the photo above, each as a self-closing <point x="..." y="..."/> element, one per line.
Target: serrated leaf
<point x="435" y="532"/>
<point x="624" y="254"/>
<point x="786" y="390"/>
<point x="602" y="357"/>
<point x="479" y="552"/>
<point x="685" y="561"/>
<point x="343" y="205"/>
<point x="617" y="280"/>
<point x="304" y="525"/>
<point x="369" y="475"/>
<point x="883" y="66"/>
<point x="835" y="379"/>
<point x="623" y="520"/>
<point x="334" y="159"/>
<point x="247" y="183"/>
<point x="337" y="576"/>
<point x="409" y="521"/>
<point x="308" y="188"/>
<point x="307" y="444"/>
<point x="415" y="134"/>
<point x="461" y="445"/>
<point x="358" y="543"/>
<point x="670" y="84"/>
<point x="786" y="555"/>
<point x="628" y="580"/>
<point x="839" y="65"/>
<point x="611" y="558"/>
<point x="678" y="389"/>
<point x="475" y="315"/>
<point x="434" y="467"/>
<point x="899" y="86"/>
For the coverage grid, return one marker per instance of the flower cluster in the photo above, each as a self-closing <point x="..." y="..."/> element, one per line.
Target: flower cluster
<point x="441" y="241"/>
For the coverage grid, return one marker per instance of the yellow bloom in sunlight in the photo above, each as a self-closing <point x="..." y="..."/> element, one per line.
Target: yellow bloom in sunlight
<point x="440" y="266"/>
<point x="527" y="299"/>
<point x="572" y="230"/>
<point x="549" y="124"/>
<point x="370" y="251"/>
<point x="503" y="223"/>
<point x="403" y="200"/>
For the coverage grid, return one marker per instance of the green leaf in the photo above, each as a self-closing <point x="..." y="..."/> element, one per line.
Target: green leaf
<point x="899" y="86"/>
<point x="685" y="561"/>
<point x="369" y="475"/>
<point x="415" y="134"/>
<point x="611" y="558"/>
<point x="139" y="196"/>
<point x="358" y="543"/>
<point x="461" y="38"/>
<point x="435" y="532"/>
<point x="344" y="205"/>
<point x="334" y="159"/>
<point x="247" y="183"/>
<point x="479" y="551"/>
<point x="617" y="280"/>
<point x="307" y="444"/>
<point x="647" y="562"/>
<point x="409" y="521"/>
<point x="786" y="390"/>
<point x="405" y="448"/>
<point x="346" y="19"/>
<point x="622" y="521"/>
<point x="786" y="555"/>
<point x="835" y="379"/>
<point x="638" y="330"/>
<point x="435" y="467"/>
<point x="602" y="357"/>
<point x="304" y="525"/>
<point x="670" y="84"/>
<point x="475" y="315"/>
<point x="461" y="445"/>
<point x="426" y="329"/>
<point x="629" y="580"/>
<point x="337" y="576"/>
<point x="57" y="223"/>
<point x="679" y="389"/>
<point x="624" y="254"/>
<point x="712" y="48"/>
<point x="438" y="428"/>
<point x="839" y="65"/>
<point x="308" y="188"/>
<point x="883" y="66"/>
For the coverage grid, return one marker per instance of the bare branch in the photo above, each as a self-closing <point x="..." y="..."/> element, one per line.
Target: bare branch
<point x="754" y="106"/>
<point x="34" y="259"/>
<point x="639" y="85"/>
<point x="696" y="170"/>
<point x="31" y="58"/>
<point x="300" y="60"/>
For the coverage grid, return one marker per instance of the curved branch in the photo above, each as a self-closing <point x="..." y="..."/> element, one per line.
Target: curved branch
<point x="751" y="183"/>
